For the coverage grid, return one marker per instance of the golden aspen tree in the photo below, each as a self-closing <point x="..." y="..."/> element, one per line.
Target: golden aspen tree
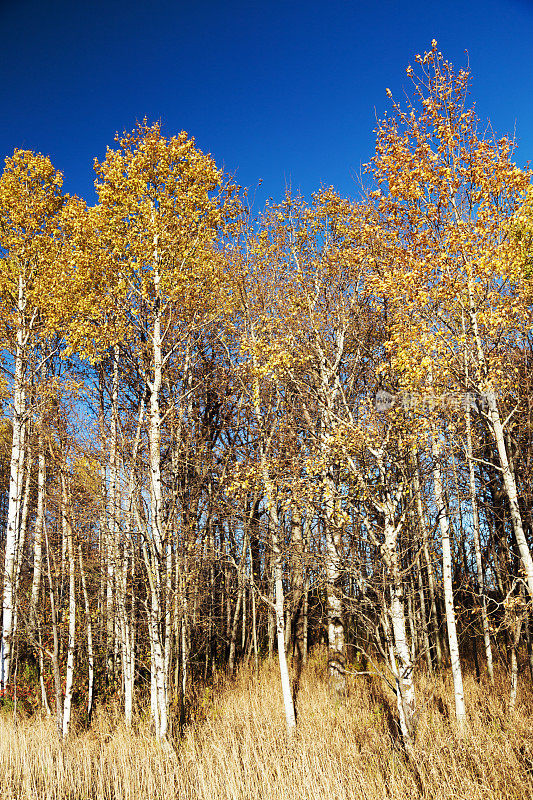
<point x="158" y="273"/>
<point x="447" y="194"/>
<point x="30" y="199"/>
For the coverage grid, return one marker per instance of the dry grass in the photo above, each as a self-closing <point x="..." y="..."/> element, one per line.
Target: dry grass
<point x="344" y="749"/>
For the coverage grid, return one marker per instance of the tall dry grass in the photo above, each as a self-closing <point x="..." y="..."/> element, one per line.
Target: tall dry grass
<point x="344" y="749"/>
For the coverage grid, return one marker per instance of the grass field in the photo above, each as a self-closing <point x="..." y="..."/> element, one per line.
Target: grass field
<point x="237" y="748"/>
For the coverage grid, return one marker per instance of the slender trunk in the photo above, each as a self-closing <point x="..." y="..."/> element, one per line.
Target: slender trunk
<point x="210" y="658"/>
<point x="15" y="493"/>
<point x="496" y="427"/>
<point x="460" y="711"/>
<point x="128" y="661"/>
<point x="305" y="604"/>
<point x="288" y="702"/>
<point x="158" y="683"/>
<point x="336" y="641"/>
<point x="412" y="622"/>
<point x="254" y="633"/>
<point x="102" y="524"/>
<point x="290" y="717"/>
<point x="38" y="528"/>
<point x="515" y="640"/>
<point x="401" y="661"/>
<point x="233" y="636"/>
<point x="156" y="520"/>
<point x="112" y="589"/>
<point x="72" y="606"/>
<point x="168" y="617"/>
<point x="55" y="651"/>
<point x="243" y="631"/>
<point x="476" y="526"/>
<point x="271" y="624"/>
<point x="424" y="620"/>
<point x="125" y="627"/>
<point x="44" y="697"/>
<point x="154" y="709"/>
<point x="184" y="661"/>
<point x="90" y="651"/>
<point x="529" y="644"/>
<point x="24" y="514"/>
<point x="297" y="581"/>
<point x="127" y="622"/>
<point x="477" y="546"/>
<point x="305" y="618"/>
<point x="158" y="668"/>
<point x="511" y="491"/>
<point x="432" y="586"/>
<point x="238" y="606"/>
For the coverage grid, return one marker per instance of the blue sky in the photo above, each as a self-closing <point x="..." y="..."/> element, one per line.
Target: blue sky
<point x="276" y="91"/>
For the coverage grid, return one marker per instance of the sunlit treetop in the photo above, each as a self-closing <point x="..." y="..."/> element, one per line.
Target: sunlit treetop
<point x="154" y="239"/>
<point x="30" y="199"/>
<point x="447" y="190"/>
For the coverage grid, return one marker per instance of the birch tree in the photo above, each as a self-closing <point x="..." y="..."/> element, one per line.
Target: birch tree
<point x="162" y="205"/>
<point x="30" y="199"/>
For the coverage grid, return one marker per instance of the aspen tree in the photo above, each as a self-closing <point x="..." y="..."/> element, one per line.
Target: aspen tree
<point x="302" y="252"/>
<point x="267" y="428"/>
<point x="30" y="198"/>
<point x="449" y="195"/>
<point x="162" y="205"/>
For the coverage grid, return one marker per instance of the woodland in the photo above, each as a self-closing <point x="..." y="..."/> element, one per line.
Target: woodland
<point x="271" y="467"/>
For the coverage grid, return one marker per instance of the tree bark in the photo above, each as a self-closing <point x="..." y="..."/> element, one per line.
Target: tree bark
<point x="460" y="711"/>
<point x="401" y="661"/>
<point x="90" y="651"/>
<point x="432" y="586"/>
<point x="15" y="490"/>
<point x="66" y="523"/>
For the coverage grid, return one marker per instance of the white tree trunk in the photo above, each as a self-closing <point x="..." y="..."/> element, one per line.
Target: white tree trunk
<point x="55" y="652"/>
<point x="155" y="613"/>
<point x="44" y="696"/>
<point x="290" y="717"/>
<point x="154" y="547"/>
<point x="336" y="639"/>
<point x="66" y="522"/>
<point x="90" y="651"/>
<point x="127" y="633"/>
<point x="401" y="662"/>
<point x="112" y="589"/>
<point x="515" y="639"/>
<point x="158" y="683"/>
<point x="424" y="619"/>
<point x="460" y="711"/>
<point x="126" y="623"/>
<point x="15" y="493"/>
<point x="496" y="427"/>
<point x="276" y="563"/>
<point x="336" y="642"/>
<point x="510" y="490"/>
<point x="288" y="702"/>
<point x="23" y="529"/>
<point x="477" y="546"/>
<point x="432" y="586"/>
<point x="38" y="528"/>
<point x="128" y="666"/>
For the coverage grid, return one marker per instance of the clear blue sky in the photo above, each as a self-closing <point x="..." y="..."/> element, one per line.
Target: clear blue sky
<point x="278" y="91"/>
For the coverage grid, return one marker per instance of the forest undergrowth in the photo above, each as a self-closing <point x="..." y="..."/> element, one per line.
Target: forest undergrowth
<point x="237" y="749"/>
